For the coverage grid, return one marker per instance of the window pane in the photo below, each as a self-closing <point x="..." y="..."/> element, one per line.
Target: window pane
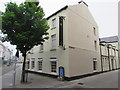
<point x="94" y="65"/>
<point x="54" y="23"/>
<point x="53" y="41"/>
<point x="41" y="47"/>
<point x="33" y="64"/>
<point x="95" y="45"/>
<point x="40" y="65"/>
<point x="94" y="30"/>
<point x="53" y="66"/>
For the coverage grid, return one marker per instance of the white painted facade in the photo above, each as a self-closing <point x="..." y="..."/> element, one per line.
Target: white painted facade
<point x="79" y="54"/>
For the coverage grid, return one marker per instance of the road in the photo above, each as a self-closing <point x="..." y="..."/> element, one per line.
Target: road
<point x="104" y="80"/>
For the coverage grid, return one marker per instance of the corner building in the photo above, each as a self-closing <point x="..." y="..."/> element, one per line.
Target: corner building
<point x="73" y="44"/>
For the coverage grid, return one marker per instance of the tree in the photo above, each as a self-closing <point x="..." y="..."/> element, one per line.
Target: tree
<point x="24" y="25"/>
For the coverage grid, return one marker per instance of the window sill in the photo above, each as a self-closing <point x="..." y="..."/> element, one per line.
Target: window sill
<point x="54" y="73"/>
<point x="94" y="71"/>
<point x="39" y="71"/>
<point x="32" y="69"/>
<point x="53" y="50"/>
<point x="53" y="28"/>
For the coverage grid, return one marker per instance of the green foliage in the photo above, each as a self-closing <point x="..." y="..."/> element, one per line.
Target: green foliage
<point x="24" y="25"/>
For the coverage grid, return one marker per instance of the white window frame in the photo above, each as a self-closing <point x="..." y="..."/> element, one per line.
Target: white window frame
<point x="32" y="51"/>
<point x="54" y="23"/>
<point x="28" y="63"/>
<point x="40" y="61"/>
<point x="95" y="61"/>
<point x="32" y="63"/>
<point x="94" y="31"/>
<point x="41" y="47"/>
<point x="95" y="45"/>
<point x="54" y="66"/>
<point x="53" y="41"/>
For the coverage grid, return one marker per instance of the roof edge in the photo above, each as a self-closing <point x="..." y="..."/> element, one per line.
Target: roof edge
<point x="65" y="7"/>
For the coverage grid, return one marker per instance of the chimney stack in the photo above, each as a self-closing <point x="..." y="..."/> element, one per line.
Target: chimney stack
<point x="82" y="2"/>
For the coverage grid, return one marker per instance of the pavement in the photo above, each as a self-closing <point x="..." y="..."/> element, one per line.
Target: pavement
<point x="104" y="80"/>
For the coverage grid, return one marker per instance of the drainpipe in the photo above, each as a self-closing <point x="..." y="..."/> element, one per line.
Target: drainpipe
<point x="101" y="58"/>
<point x="109" y="57"/>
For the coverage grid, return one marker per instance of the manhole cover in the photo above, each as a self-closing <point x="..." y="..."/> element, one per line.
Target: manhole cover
<point x="80" y="83"/>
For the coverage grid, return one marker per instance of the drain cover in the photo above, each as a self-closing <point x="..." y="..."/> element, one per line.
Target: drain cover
<point x="81" y="83"/>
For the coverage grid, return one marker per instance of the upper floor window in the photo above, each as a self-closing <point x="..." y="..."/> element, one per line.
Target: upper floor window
<point x="32" y="50"/>
<point x="94" y="30"/>
<point x="54" y="23"/>
<point x="61" y="31"/>
<point x="53" y="37"/>
<point x="95" y="45"/>
<point x="41" y="47"/>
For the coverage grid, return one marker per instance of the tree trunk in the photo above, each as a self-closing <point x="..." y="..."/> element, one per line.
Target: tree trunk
<point x="23" y="69"/>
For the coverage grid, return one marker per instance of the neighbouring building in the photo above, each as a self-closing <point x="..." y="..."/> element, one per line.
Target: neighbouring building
<point x="5" y="53"/>
<point x="73" y="44"/>
<point x="109" y="53"/>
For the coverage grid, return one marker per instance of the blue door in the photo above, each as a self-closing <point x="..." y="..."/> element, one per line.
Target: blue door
<point x="61" y="72"/>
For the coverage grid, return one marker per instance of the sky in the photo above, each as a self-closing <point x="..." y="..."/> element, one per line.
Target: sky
<point x="105" y="13"/>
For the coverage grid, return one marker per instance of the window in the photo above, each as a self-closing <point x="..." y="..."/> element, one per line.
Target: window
<point x="94" y="30"/>
<point x="27" y="63"/>
<point x="94" y="65"/>
<point x="32" y="63"/>
<point x="41" y="47"/>
<point x="53" y="41"/>
<point x="40" y="63"/>
<point x="95" y="45"/>
<point x="53" y="66"/>
<point x="32" y="50"/>
<point x="61" y="31"/>
<point x="54" y="23"/>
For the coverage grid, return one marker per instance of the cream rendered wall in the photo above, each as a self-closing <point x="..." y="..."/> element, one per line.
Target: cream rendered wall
<point x="105" y="62"/>
<point x="81" y="36"/>
<point x="104" y="50"/>
<point x="113" y="55"/>
<point x="59" y="53"/>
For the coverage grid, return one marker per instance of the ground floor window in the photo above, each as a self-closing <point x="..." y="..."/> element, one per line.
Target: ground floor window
<point x="39" y="65"/>
<point x="33" y="64"/>
<point x="113" y="63"/>
<point x="53" y="66"/>
<point x="94" y="64"/>
<point x="28" y="63"/>
<point x="105" y="61"/>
